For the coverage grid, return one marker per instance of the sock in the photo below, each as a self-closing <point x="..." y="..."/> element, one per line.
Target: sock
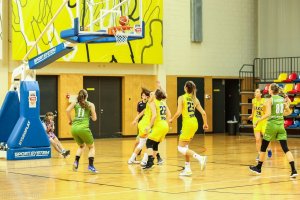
<point x="91" y="161"/>
<point x="145" y="158"/>
<point x="133" y="156"/>
<point x="292" y="163"/>
<point x="187" y="166"/>
<point x="77" y="158"/>
<point x="196" y="156"/>
<point x="259" y="164"/>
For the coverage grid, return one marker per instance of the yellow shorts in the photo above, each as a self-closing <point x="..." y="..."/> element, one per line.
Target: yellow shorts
<point x="189" y="128"/>
<point x="142" y="126"/>
<point x="159" y="131"/>
<point x="261" y="127"/>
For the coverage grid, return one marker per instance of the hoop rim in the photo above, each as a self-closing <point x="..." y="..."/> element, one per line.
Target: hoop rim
<point x="114" y="29"/>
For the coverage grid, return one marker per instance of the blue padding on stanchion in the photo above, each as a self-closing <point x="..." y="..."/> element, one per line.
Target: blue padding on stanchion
<point x="29" y="131"/>
<point x="49" y="56"/>
<point x="9" y="115"/>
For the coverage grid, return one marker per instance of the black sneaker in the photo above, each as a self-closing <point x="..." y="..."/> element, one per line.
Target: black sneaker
<point x="149" y="163"/>
<point x="255" y="170"/>
<point x="160" y="161"/>
<point x="66" y="153"/>
<point x="294" y="174"/>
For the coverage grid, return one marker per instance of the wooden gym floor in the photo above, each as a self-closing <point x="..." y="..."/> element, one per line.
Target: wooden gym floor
<point x="225" y="177"/>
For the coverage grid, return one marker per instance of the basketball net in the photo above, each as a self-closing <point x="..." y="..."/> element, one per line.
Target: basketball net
<point x="121" y="37"/>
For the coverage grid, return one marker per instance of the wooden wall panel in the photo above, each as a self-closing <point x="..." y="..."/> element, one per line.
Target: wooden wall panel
<point x="208" y="85"/>
<point x="172" y="100"/>
<point x="67" y="84"/>
<point x="131" y="94"/>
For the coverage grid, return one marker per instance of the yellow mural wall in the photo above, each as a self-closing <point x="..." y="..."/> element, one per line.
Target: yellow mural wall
<point x="29" y="18"/>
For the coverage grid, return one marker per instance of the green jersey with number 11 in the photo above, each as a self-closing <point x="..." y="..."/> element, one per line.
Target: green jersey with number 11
<point x="82" y="116"/>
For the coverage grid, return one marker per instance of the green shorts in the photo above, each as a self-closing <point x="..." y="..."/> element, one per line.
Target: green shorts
<point x="82" y="135"/>
<point x="275" y="132"/>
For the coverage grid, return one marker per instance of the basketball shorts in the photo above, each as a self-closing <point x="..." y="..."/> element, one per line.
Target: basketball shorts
<point x="82" y="135"/>
<point x="275" y="132"/>
<point x="261" y="127"/>
<point x="159" y="131"/>
<point x="142" y="129"/>
<point x="189" y="128"/>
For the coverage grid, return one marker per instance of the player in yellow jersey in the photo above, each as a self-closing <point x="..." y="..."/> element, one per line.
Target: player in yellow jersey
<point x="187" y="104"/>
<point x="143" y="123"/>
<point x="158" y="125"/>
<point x="140" y="139"/>
<point x="258" y="110"/>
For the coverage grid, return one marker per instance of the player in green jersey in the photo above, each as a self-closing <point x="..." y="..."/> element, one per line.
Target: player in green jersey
<point x="276" y="108"/>
<point x="84" y="110"/>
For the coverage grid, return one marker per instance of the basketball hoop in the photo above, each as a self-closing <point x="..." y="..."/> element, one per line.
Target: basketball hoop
<point x="120" y="33"/>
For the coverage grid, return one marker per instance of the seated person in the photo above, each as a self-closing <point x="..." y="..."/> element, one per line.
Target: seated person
<point x="48" y="124"/>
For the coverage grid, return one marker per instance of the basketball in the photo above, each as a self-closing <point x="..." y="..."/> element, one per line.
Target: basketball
<point x="124" y="20"/>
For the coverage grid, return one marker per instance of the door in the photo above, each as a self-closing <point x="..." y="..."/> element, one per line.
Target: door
<point x="49" y="96"/>
<point x="218" y="105"/>
<point x="232" y="100"/>
<point x="106" y="94"/>
<point x="200" y="95"/>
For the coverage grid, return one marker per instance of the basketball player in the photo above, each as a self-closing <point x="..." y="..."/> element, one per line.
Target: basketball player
<point x="49" y="127"/>
<point x="159" y="124"/>
<point x="258" y="110"/>
<point x="84" y="110"/>
<point x="140" y="107"/>
<point x="187" y="104"/>
<point x="276" y="108"/>
<point x="143" y="134"/>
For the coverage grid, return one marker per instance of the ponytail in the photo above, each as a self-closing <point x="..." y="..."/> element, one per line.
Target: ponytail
<point x="81" y="99"/>
<point x="191" y="89"/>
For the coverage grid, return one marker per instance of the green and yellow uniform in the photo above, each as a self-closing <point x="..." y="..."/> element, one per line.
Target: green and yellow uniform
<point x="258" y="113"/>
<point x="144" y="122"/>
<point x="189" y="121"/>
<point x="160" y="127"/>
<point x="80" y="125"/>
<point x="275" y="123"/>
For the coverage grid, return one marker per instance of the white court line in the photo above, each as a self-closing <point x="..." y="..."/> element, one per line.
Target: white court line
<point x="160" y="188"/>
<point x="102" y="193"/>
<point x="214" y="182"/>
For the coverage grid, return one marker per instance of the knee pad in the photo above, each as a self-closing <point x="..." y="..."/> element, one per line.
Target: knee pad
<point x="149" y="143"/>
<point x="264" y="145"/>
<point x="182" y="150"/>
<point x="142" y="142"/>
<point x="284" y="146"/>
<point x="155" y="146"/>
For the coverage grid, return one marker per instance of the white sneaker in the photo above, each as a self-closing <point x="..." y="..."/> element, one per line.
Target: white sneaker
<point x="130" y="162"/>
<point x="202" y="162"/>
<point x="186" y="173"/>
<point x="143" y="163"/>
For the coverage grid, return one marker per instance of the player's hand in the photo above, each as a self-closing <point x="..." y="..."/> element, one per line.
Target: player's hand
<point x="205" y="126"/>
<point x="250" y="117"/>
<point x="70" y="122"/>
<point x="170" y="121"/>
<point x="134" y="122"/>
<point x="255" y="124"/>
<point x="147" y="129"/>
